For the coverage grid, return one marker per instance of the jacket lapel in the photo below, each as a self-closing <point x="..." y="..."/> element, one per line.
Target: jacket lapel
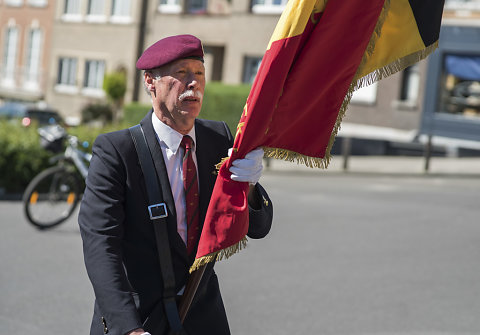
<point x="176" y="241"/>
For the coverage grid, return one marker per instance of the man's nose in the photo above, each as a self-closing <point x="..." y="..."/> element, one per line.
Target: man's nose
<point x="192" y="84"/>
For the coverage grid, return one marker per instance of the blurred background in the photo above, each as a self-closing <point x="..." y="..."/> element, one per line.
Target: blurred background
<point x="381" y="246"/>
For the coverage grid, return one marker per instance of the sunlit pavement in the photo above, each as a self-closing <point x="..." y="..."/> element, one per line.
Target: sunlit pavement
<point x="384" y="252"/>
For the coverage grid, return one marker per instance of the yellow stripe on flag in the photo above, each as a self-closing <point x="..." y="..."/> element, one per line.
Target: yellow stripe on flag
<point x="295" y="17"/>
<point x="399" y="37"/>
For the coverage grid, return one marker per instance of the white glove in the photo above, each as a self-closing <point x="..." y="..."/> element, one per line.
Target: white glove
<point x="248" y="169"/>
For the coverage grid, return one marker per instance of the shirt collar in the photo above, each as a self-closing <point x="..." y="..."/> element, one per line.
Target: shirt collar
<point x="170" y="137"/>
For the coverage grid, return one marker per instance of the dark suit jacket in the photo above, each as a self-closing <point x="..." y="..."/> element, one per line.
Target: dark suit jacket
<point x="119" y="242"/>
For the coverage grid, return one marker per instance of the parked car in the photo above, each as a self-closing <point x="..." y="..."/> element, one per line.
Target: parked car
<point x="29" y="113"/>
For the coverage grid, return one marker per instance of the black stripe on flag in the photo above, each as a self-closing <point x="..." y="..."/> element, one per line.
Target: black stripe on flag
<point x="428" y="14"/>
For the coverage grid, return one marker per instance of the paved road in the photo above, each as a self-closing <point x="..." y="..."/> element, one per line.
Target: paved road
<point x="348" y="254"/>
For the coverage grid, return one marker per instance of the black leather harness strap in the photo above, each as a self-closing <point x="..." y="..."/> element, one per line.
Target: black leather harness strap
<point x="158" y="213"/>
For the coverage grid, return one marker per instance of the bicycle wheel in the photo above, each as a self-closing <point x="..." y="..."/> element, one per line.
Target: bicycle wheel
<point x="51" y="197"/>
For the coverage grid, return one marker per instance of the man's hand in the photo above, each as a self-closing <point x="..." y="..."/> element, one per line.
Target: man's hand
<point x="248" y="169"/>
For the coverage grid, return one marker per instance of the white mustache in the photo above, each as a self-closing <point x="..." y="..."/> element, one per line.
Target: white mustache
<point x="190" y="93"/>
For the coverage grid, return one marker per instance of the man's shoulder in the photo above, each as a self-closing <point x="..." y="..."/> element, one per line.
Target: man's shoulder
<point x="120" y="140"/>
<point x="219" y="127"/>
<point x="209" y="123"/>
<point x="117" y="136"/>
<point x="121" y="137"/>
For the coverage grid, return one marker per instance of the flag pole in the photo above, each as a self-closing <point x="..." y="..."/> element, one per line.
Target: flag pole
<point x="190" y="290"/>
<point x="194" y="281"/>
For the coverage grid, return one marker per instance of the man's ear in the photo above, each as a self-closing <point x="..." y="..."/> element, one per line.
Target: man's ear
<point x="149" y="82"/>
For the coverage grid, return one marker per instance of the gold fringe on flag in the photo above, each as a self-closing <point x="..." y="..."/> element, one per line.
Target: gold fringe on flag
<point x="292" y="156"/>
<point x="222" y="161"/>
<point x="394" y="67"/>
<point x="219" y="255"/>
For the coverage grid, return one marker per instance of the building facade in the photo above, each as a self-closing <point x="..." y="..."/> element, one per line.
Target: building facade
<point x="93" y="37"/>
<point x="90" y="38"/>
<point x="234" y="33"/>
<point x="25" y="41"/>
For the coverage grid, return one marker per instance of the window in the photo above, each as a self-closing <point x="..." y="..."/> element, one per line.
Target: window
<point x="250" y="68"/>
<point x="93" y="80"/>
<point x="213" y="57"/>
<point x="462" y="5"/>
<point x="38" y="3"/>
<point x="71" y="11"/>
<point x="14" y="3"/>
<point x="410" y="84"/>
<point x="67" y="75"/>
<point x="72" y="7"/>
<point x="9" y="56"/>
<point x="32" y="71"/>
<point x="196" y="6"/>
<point x="96" y="11"/>
<point x="121" y="11"/>
<point x="366" y="95"/>
<point x="460" y="86"/>
<point x="268" y="6"/>
<point x="170" y="6"/>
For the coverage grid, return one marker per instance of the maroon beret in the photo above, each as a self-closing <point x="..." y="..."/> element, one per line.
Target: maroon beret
<point x="169" y="49"/>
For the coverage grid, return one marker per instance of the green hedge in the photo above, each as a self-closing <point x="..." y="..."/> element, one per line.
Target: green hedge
<point x="22" y="157"/>
<point x="224" y="103"/>
<point x="133" y="113"/>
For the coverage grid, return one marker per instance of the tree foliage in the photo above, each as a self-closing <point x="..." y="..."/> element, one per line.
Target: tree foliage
<point x="115" y="86"/>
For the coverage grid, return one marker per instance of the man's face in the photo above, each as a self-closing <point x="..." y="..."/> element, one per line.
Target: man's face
<point x="179" y="91"/>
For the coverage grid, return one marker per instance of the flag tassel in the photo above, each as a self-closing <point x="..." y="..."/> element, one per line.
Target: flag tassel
<point x="394" y="67"/>
<point x="292" y="156"/>
<point x="219" y="255"/>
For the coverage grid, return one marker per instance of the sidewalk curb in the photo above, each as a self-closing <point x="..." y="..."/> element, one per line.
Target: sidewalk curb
<point x="386" y="165"/>
<point x="10" y="196"/>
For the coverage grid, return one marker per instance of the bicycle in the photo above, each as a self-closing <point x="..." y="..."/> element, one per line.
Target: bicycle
<point x="52" y="196"/>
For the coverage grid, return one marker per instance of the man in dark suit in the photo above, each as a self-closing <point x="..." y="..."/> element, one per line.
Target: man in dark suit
<point x="120" y="248"/>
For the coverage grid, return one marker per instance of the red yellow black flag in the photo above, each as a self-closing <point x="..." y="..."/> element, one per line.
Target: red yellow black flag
<point x="319" y="54"/>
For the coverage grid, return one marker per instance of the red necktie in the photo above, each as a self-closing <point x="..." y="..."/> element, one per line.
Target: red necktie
<point x="190" y="184"/>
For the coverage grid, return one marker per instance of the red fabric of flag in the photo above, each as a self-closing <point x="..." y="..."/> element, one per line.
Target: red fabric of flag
<point x="320" y="52"/>
<point x="293" y="105"/>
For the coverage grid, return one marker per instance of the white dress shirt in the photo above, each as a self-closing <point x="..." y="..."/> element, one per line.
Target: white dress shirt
<point x="170" y="140"/>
